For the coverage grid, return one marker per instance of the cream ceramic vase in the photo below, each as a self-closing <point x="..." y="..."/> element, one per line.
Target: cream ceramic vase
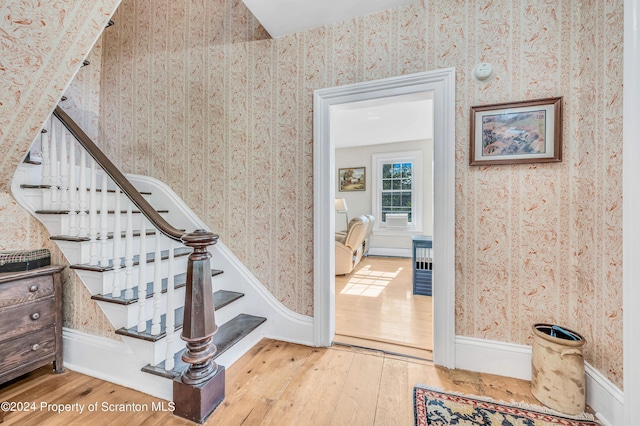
<point x="557" y="369"/>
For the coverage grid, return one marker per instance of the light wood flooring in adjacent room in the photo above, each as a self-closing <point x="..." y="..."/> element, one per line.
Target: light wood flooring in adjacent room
<point x="376" y="308"/>
<point x="275" y="383"/>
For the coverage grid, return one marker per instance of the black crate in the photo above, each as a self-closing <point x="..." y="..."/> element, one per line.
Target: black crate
<point x="422" y="265"/>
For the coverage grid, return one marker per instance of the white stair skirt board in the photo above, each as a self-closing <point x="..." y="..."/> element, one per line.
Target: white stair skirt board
<point x="282" y="323"/>
<point x="120" y="361"/>
<point x="512" y="360"/>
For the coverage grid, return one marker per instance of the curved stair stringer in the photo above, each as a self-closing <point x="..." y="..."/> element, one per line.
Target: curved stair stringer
<point x="119" y="361"/>
<point x="105" y="358"/>
<point x="282" y="323"/>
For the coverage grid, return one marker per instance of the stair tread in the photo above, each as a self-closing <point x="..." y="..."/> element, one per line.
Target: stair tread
<point x="228" y="335"/>
<point x="179" y="252"/>
<point x="112" y="191"/>
<point x="221" y="298"/>
<point x="179" y="281"/>
<point x="87" y="211"/>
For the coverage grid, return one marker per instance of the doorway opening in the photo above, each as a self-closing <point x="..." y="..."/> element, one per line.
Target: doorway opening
<point x="383" y="164"/>
<point x="442" y="84"/>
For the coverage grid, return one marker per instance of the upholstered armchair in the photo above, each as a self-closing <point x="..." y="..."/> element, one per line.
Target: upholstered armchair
<point x="349" y="248"/>
<point x="342" y="235"/>
<point x="365" y="243"/>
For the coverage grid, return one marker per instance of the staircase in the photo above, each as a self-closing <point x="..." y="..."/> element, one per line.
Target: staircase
<point x="140" y="271"/>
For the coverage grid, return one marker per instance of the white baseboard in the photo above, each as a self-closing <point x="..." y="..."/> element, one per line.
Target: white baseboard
<point x="512" y="360"/>
<point x="390" y="252"/>
<point x="611" y="411"/>
<point x="488" y="356"/>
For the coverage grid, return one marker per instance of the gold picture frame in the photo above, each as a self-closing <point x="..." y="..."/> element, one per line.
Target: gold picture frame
<point x="352" y="179"/>
<point x="516" y="132"/>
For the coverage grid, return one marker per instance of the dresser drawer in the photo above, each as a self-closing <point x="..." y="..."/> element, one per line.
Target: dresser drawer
<point x="25" y="349"/>
<point x="25" y="290"/>
<point x="26" y="318"/>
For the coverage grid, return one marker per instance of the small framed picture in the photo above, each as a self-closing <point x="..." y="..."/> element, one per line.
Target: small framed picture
<point x="516" y="132"/>
<point x="352" y="179"/>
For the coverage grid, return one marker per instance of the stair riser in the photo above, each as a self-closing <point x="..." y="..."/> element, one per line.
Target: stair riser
<point x="80" y="252"/>
<point x="41" y="199"/>
<point x="127" y="315"/>
<point x="58" y="224"/>
<point x="34" y="198"/>
<point x="155" y="352"/>
<point x="102" y="282"/>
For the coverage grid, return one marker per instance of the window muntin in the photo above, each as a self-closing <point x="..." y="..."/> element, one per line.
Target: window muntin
<point x="396" y="188"/>
<point x="396" y="193"/>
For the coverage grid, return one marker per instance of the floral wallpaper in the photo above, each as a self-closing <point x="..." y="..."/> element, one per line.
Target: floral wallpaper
<point x="197" y="95"/>
<point x="43" y="44"/>
<point x="223" y="114"/>
<point x="83" y="94"/>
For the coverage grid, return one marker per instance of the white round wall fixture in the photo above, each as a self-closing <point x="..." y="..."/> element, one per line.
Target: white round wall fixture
<point x="482" y="71"/>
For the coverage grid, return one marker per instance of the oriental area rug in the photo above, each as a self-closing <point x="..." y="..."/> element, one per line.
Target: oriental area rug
<point x="436" y="407"/>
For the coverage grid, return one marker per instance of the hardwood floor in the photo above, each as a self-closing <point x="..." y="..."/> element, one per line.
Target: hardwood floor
<point x="376" y="308"/>
<point x="276" y="383"/>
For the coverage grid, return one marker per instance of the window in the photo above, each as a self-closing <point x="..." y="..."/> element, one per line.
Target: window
<point x="396" y="181"/>
<point x="396" y="193"/>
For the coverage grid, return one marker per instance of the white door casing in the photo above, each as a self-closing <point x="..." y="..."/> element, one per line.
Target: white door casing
<point x="442" y="84"/>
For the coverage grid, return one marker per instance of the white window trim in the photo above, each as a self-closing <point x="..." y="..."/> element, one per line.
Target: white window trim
<point x="417" y="207"/>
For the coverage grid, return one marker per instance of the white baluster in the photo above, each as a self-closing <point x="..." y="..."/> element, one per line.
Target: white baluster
<point x="73" y="204"/>
<point x="128" y="255"/>
<point x="104" y="215"/>
<point x="142" y="277"/>
<point x="169" y="362"/>
<point x="157" y="285"/>
<point x="93" y="216"/>
<point x="46" y="161"/>
<point x="64" y="172"/>
<point x="53" y="153"/>
<point x="82" y="195"/>
<point x="117" y="252"/>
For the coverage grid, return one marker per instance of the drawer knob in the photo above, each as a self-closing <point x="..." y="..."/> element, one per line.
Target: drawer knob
<point x="35" y="347"/>
<point x="33" y="288"/>
<point x="35" y="316"/>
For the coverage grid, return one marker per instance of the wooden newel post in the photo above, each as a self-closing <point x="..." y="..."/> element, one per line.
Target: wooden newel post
<point x="199" y="314"/>
<point x="200" y="389"/>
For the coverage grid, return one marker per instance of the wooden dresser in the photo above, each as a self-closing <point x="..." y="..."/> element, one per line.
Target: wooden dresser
<point x="30" y="321"/>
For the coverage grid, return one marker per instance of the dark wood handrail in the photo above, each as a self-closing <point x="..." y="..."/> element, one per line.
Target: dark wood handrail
<point x="201" y="386"/>
<point x="114" y="173"/>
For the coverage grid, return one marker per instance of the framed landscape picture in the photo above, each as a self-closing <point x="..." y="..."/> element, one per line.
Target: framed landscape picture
<point x="516" y="132"/>
<point x="351" y="179"/>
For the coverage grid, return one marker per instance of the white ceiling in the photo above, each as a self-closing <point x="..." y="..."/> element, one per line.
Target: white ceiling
<point x="282" y="17"/>
<point x="393" y="119"/>
<point x="385" y="120"/>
